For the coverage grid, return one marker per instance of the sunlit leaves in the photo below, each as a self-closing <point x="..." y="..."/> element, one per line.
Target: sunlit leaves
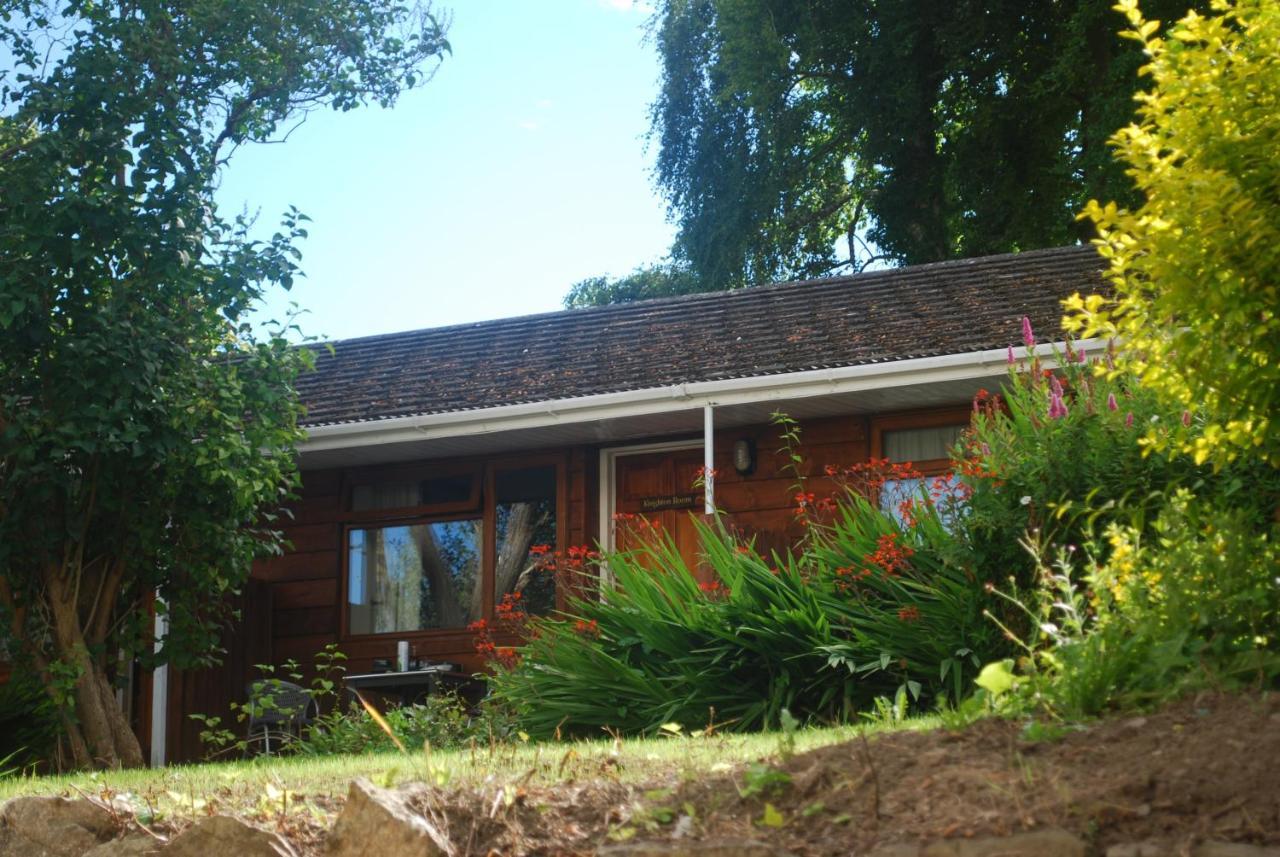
<point x="1197" y="266"/>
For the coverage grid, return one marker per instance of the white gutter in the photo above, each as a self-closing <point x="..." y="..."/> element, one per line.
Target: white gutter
<point x="679" y="397"/>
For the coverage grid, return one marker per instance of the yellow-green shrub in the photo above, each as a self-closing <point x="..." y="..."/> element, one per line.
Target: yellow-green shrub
<point x="1196" y="268"/>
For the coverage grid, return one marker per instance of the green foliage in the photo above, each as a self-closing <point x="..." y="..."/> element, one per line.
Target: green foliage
<point x="28" y="723"/>
<point x="1062" y="476"/>
<point x="652" y="281"/>
<point x="146" y="425"/>
<point x="1195" y="266"/>
<point x="795" y="139"/>
<point x="820" y="635"/>
<point x="439" y="722"/>
<point x="1188" y="602"/>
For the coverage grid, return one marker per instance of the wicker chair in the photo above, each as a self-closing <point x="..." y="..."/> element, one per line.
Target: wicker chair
<point x="281" y="708"/>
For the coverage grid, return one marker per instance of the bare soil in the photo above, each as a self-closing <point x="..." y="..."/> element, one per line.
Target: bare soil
<point x="1204" y="768"/>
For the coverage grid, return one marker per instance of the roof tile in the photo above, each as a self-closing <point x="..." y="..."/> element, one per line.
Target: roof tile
<point x="896" y="314"/>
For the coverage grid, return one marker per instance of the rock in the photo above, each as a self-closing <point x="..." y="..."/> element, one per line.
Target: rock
<point x="1036" y="843"/>
<point x="133" y="845"/>
<point x="53" y="827"/>
<point x="1233" y="849"/>
<point x="219" y="834"/>
<point x="725" y="848"/>
<point x="379" y="822"/>
<point x="1137" y="849"/>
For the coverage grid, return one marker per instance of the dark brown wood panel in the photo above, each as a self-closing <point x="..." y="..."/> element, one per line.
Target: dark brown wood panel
<point x="311" y="565"/>
<point x="246" y="643"/>
<point x="304" y="622"/>
<point x="305" y="593"/>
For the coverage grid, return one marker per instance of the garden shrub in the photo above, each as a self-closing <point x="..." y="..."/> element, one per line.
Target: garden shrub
<point x="1193" y="269"/>
<point x="441" y="721"/>
<point x="869" y="609"/>
<point x="1178" y="559"/>
<point x="1189" y="601"/>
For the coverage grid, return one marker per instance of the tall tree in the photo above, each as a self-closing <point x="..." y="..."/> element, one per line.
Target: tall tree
<point x="146" y="431"/>
<point x="648" y="281"/>
<point x="804" y="137"/>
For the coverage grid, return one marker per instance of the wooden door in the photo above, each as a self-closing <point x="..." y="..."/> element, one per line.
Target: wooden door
<point x="660" y="487"/>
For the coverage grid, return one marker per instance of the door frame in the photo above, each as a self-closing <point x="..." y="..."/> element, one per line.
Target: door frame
<point x="609" y="479"/>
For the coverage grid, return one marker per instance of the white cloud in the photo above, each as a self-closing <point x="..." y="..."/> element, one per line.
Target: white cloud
<point x="528" y="125"/>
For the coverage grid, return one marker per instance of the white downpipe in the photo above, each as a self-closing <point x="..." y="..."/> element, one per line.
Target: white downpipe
<point x="159" y="697"/>
<point x="708" y="459"/>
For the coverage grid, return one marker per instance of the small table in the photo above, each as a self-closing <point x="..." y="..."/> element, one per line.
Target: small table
<point x="407" y="685"/>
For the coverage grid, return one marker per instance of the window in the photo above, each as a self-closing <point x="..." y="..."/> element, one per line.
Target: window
<point x="431" y="549"/>
<point x="928" y="448"/>
<point x="920" y="445"/>
<point x="524" y="523"/>
<point x="414" y="577"/>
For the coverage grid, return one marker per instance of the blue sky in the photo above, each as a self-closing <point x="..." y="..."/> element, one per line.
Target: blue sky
<point x="519" y="170"/>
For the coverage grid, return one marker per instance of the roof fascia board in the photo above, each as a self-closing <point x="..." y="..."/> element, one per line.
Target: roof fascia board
<point x="679" y="397"/>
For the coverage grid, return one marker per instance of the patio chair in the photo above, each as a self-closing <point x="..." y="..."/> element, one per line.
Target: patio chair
<point x="279" y="707"/>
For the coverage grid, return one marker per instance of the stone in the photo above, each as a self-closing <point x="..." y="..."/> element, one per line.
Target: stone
<point x="377" y="822"/>
<point x="1233" y="849"/>
<point x="53" y="827"/>
<point x="132" y="845"/>
<point x="723" y="848"/>
<point x="220" y="834"/>
<point x="1035" y="843"/>
<point x="1137" y="849"/>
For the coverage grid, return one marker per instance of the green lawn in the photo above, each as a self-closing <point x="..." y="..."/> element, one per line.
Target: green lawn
<point x="307" y="780"/>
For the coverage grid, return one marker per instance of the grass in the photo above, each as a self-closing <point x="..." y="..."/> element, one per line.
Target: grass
<point x="266" y="785"/>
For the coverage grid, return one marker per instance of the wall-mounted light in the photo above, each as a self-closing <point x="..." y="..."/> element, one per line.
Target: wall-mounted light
<point x="744" y="456"/>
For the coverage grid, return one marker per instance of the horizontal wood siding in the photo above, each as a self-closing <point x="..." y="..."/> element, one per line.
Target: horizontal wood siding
<point x="299" y="598"/>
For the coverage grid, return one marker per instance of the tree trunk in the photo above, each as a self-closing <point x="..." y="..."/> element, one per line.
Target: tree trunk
<point x="99" y="735"/>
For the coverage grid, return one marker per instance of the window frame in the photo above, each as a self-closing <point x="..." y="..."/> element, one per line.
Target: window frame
<point x="412" y="474"/>
<point x="907" y="420"/>
<point x="485" y="507"/>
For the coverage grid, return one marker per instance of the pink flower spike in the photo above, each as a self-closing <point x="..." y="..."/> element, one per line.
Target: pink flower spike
<point x="1057" y="407"/>
<point x="1055" y="386"/>
<point x="1128" y="420"/>
<point x="1112" y="404"/>
<point x="1186" y="419"/>
<point x="1080" y="357"/>
<point x="1028" y="335"/>
<point x="1010" y="356"/>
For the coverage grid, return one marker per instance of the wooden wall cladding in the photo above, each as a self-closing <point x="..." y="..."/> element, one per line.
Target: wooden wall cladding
<point x="303" y="586"/>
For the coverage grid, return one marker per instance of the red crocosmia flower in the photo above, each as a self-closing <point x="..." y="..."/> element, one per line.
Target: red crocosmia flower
<point x="910" y="613"/>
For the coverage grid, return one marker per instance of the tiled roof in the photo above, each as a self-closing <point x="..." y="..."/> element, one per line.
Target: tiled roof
<point x="919" y="311"/>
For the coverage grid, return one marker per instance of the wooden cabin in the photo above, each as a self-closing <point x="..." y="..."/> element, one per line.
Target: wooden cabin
<point x="436" y="460"/>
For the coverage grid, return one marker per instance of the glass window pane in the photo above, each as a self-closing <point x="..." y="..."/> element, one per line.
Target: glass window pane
<point x="922" y="444"/>
<point x="944" y="491"/>
<point x="447" y="489"/>
<point x="391" y="496"/>
<point x="414" y="577"/>
<point x="525" y="527"/>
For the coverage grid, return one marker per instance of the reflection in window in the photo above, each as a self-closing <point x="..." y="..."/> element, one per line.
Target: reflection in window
<point x="944" y="491"/>
<point x="415" y="576"/>
<point x="525" y="519"/>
